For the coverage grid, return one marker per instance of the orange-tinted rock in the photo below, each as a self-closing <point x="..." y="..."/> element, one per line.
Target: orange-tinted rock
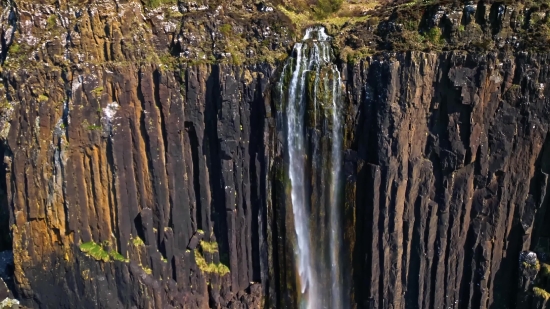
<point x="104" y="140"/>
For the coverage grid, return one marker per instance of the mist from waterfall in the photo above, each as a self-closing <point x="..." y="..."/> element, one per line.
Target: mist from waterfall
<point x="310" y="89"/>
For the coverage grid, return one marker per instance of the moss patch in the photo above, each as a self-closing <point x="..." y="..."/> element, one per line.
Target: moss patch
<point x="137" y="242"/>
<point x="352" y="56"/>
<point x="226" y="29"/>
<point x="42" y="98"/>
<point x="147" y="270"/>
<point x="209" y="247"/>
<point x="156" y="3"/>
<point x="118" y="257"/>
<point x="305" y="12"/>
<point x="219" y="268"/>
<point x="14" y="48"/>
<point x="535" y="266"/>
<point x="97" y="91"/>
<point x="51" y="22"/>
<point x="541" y="293"/>
<point x="97" y="252"/>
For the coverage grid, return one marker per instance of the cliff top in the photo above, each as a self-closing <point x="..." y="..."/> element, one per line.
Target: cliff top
<point x="172" y="33"/>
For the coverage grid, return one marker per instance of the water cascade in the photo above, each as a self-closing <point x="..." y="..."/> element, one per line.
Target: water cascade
<point x="310" y="94"/>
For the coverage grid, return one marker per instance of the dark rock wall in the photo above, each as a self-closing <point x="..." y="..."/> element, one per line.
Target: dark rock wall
<point x="178" y="166"/>
<point x="157" y="156"/>
<point x="449" y="164"/>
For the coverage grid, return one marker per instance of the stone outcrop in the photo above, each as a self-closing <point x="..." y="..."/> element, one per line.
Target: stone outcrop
<point x="447" y="174"/>
<point x="142" y="158"/>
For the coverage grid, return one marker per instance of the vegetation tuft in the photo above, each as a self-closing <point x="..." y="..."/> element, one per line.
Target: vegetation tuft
<point x="97" y="91"/>
<point x="226" y="29"/>
<point x="97" y="252"/>
<point x="43" y="98"/>
<point x="137" y="242"/>
<point x="219" y="268"/>
<point x="51" y="22"/>
<point x="153" y="4"/>
<point x="324" y="8"/>
<point x="14" y="48"/>
<point x="542" y="293"/>
<point x="209" y="247"/>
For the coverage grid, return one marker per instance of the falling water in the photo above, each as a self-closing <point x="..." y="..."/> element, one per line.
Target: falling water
<point x="310" y="89"/>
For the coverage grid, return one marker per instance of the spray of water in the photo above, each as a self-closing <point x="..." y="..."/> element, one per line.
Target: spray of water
<point x="314" y="140"/>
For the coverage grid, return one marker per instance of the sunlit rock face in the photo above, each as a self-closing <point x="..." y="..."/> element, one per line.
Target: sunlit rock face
<point x="200" y="155"/>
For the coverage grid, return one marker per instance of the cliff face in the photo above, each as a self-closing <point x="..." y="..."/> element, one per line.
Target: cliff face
<point x="447" y="173"/>
<point x="139" y="172"/>
<point x="159" y="169"/>
<point x="137" y="180"/>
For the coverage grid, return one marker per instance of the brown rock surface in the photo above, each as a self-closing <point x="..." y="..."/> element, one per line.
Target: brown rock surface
<point x="449" y="174"/>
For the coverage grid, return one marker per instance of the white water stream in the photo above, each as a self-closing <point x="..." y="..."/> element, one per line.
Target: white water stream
<point x="313" y="116"/>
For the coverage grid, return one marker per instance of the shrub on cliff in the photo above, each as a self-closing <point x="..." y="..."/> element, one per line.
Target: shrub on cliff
<point x="204" y="266"/>
<point x="325" y="7"/>
<point x="539" y="292"/>
<point x="156" y="3"/>
<point x="97" y="252"/>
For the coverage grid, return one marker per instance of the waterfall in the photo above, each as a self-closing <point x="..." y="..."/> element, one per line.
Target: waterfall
<point x="310" y="91"/>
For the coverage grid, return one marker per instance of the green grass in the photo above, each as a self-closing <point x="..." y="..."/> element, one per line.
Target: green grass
<point x="97" y="91"/>
<point x="541" y="293"/>
<point x="209" y="247"/>
<point x="434" y="35"/>
<point x="118" y="257"/>
<point x="137" y="242"/>
<point x="411" y="25"/>
<point x="4" y="104"/>
<point x="535" y="266"/>
<point x="172" y="14"/>
<point x="147" y="270"/>
<point x="14" y="48"/>
<point x="88" y="246"/>
<point x="51" y="22"/>
<point x="324" y="8"/>
<point x="97" y="252"/>
<point x="300" y="20"/>
<point x="153" y="4"/>
<point x="333" y="21"/>
<point x="219" y="269"/>
<point x="43" y="98"/>
<point x="226" y="29"/>
<point x="94" y="250"/>
<point x="352" y="56"/>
